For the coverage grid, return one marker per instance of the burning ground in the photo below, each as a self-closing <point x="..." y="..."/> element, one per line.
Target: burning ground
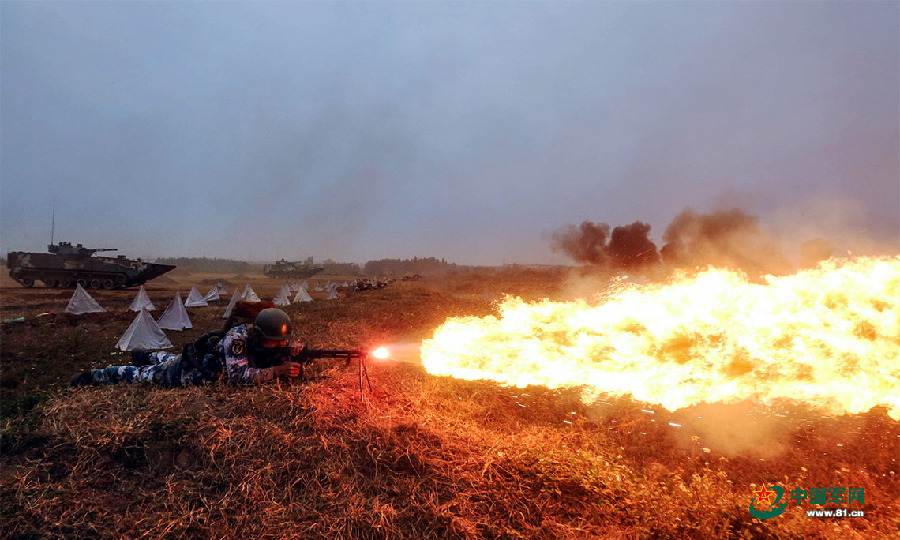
<point x="827" y="337"/>
<point x="425" y="456"/>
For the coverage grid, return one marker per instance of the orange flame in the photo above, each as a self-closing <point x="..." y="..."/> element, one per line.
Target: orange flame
<point x="829" y="337"/>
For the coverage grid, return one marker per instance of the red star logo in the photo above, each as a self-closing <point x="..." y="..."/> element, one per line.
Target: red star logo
<point x="764" y="495"/>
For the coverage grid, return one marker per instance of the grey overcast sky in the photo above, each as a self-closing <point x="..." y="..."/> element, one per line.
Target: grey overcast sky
<point x="465" y="130"/>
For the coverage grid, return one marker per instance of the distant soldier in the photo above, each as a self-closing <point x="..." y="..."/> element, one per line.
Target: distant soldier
<point x="246" y="352"/>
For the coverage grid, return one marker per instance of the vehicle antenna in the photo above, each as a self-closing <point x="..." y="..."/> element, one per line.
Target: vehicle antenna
<point x="52" y="221"/>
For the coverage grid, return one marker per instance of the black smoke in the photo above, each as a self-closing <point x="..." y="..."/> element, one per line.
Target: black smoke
<point x="584" y="244"/>
<point x="628" y="247"/>
<point x="729" y="238"/>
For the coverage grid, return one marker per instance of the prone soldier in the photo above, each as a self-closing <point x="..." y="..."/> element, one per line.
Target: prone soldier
<point x="248" y="354"/>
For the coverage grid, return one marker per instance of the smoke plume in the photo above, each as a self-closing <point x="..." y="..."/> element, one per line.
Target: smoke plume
<point x="729" y="238"/>
<point x="629" y="245"/>
<point x="585" y="243"/>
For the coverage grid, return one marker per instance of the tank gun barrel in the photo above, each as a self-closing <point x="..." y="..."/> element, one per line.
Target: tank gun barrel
<point x="65" y="248"/>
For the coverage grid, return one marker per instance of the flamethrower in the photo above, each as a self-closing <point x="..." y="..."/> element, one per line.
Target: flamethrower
<point x="279" y="355"/>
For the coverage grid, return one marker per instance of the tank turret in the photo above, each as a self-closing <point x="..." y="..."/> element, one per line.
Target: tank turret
<point x="66" y="248"/>
<point x="66" y="266"/>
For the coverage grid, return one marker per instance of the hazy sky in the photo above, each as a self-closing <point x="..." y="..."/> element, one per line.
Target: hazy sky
<point x="465" y="130"/>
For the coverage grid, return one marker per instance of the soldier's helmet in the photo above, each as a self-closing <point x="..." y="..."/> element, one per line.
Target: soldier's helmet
<point x="274" y="324"/>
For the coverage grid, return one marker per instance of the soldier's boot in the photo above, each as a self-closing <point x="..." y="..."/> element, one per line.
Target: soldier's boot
<point x="141" y="358"/>
<point x="81" y="379"/>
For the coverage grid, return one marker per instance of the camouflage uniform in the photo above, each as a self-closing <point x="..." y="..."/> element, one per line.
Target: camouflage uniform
<point x="235" y="349"/>
<point x="165" y="369"/>
<point x="231" y="353"/>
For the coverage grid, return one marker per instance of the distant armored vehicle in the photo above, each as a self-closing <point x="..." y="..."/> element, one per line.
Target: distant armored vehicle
<point x="291" y="270"/>
<point x="67" y="265"/>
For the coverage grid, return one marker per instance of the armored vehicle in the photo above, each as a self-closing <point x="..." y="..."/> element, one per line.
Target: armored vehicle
<point x="66" y="266"/>
<point x="292" y="270"/>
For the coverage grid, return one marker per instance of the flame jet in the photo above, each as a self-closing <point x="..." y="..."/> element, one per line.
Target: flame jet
<point x="828" y="337"/>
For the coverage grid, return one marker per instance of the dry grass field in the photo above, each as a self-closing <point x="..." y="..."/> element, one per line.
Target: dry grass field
<point x="420" y="457"/>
